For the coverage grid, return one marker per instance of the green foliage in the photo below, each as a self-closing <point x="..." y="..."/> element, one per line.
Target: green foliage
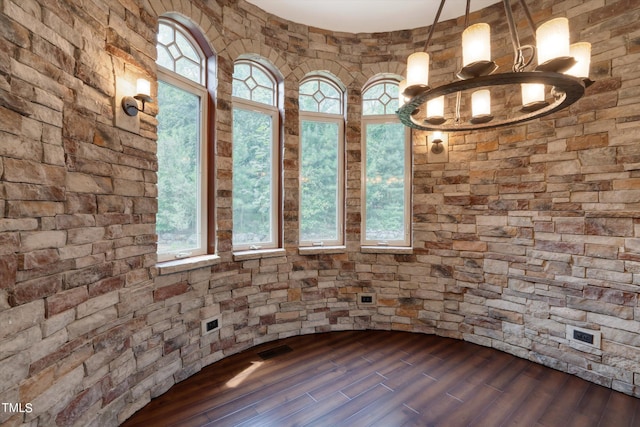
<point x="179" y="174"/>
<point x="178" y="168"/>
<point x="385" y="164"/>
<point x="252" y="175"/>
<point x="319" y="181"/>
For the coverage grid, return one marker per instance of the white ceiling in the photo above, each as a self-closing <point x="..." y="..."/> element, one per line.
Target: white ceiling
<point x="366" y="16"/>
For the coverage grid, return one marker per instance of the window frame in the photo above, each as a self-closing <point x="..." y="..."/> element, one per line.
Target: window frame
<point x="339" y="119"/>
<point x="373" y="119"/>
<point x="273" y="111"/>
<point x="205" y="210"/>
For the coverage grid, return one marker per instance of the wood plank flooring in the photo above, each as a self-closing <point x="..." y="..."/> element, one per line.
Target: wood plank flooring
<point x="380" y="378"/>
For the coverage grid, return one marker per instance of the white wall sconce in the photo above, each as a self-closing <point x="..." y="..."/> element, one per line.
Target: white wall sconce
<point x="130" y="103"/>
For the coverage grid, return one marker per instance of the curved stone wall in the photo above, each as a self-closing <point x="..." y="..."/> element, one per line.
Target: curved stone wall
<point x="525" y="233"/>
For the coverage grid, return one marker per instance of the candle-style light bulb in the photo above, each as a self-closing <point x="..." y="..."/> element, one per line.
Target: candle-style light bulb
<point x="481" y="106"/>
<point x="552" y="40"/>
<point x="476" y="44"/>
<point x="481" y="103"/>
<point x="533" y="96"/>
<point x="435" y="110"/>
<point x="401" y="98"/>
<point x="418" y="71"/>
<point x="143" y="87"/>
<point x="532" y="92"/>
<point x="581" y="52"/>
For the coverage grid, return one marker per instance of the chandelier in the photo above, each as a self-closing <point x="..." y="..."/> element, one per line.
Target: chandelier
<point x="559" y="79"/>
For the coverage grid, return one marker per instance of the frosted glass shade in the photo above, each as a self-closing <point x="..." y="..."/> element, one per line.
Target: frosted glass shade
<point x="401" y="98"/>
<point x="581" y="52"/>
<point x="143" y="87"/>
<point x="481" y="103"/>
<point x="552" y="40"/>
<point x="418" y="69"/>
<point x="476" y="44"/>
<point x="532" y="92"/>
<point x="435" y="107"/>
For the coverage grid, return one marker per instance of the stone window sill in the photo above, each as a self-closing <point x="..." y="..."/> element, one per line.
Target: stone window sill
<point x="186" y="264"/>
<point x="400" y="250"/>
<point x="319" y="250"/>
<point x="258" y="254"/>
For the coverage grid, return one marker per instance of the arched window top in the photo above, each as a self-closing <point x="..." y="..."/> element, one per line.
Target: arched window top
<point x="251" y="81"/>
<point x="380" y="98"/>
<point x="179" y="52"/>
<point x="321" y="95"/>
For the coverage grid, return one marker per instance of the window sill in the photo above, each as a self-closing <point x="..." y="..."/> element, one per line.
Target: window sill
<point x="400" y="250"/>
<point x="258" y="254"/>
<point x="186" y="264"/>
<point x="315" y="250"/>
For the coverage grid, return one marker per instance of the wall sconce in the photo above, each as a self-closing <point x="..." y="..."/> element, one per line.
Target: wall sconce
<point x="130" y="103"/>
<point x="437" y="147"/>
<point x="436" y="143"/>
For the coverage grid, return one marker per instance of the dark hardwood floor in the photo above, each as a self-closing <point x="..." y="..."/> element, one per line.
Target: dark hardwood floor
<point x="378" y="378"/>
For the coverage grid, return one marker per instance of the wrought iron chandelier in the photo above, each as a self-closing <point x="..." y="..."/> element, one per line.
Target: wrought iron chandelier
<point x="559" y="79"/>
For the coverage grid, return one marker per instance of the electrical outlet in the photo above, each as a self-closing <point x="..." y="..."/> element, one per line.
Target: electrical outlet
<point x="584" y="336"/>
<point x="366" y="298"/>
<point x="209" y="325"/>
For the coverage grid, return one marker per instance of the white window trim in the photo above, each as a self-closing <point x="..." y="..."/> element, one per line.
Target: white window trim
<point x="171" y="78"/>
<point x="274" y="113"/>
<point x="327" y="118"/>
<point x="406" y="242"/>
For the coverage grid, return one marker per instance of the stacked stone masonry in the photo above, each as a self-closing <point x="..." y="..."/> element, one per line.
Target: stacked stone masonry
<point x="524" y="232"/>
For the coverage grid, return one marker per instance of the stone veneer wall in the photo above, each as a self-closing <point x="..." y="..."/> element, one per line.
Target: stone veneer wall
<point x="524" y="230"/>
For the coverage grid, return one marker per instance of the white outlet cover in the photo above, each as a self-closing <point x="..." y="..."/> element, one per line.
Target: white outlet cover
<point x="597" y="336"/>
<point x="203" y="325"/>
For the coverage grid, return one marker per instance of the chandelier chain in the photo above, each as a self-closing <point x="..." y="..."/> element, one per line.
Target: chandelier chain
<point x="433" y="27"/>
<point x="527" y="14"/>
<point x="466" y="14"/>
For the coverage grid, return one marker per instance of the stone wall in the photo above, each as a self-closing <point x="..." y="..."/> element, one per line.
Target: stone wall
<point x="525" y="232"/>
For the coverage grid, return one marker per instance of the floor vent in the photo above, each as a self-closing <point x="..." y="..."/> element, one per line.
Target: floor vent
<point x="274" y="352"/>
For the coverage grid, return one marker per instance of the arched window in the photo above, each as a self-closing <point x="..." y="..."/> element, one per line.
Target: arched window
<point x="321" y="102"/>
<point x="256" y="157"/>
<point x="386" y="170"/>
<point x="181" y="222"/>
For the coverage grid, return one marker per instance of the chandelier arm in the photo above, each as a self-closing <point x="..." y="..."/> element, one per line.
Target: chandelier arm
<point x="532" y="48"/>
<point x="466" y="14"/>
<point x="518" y="60"/>
<point x="433" y="27"/>
<point x="532" y="25"/>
